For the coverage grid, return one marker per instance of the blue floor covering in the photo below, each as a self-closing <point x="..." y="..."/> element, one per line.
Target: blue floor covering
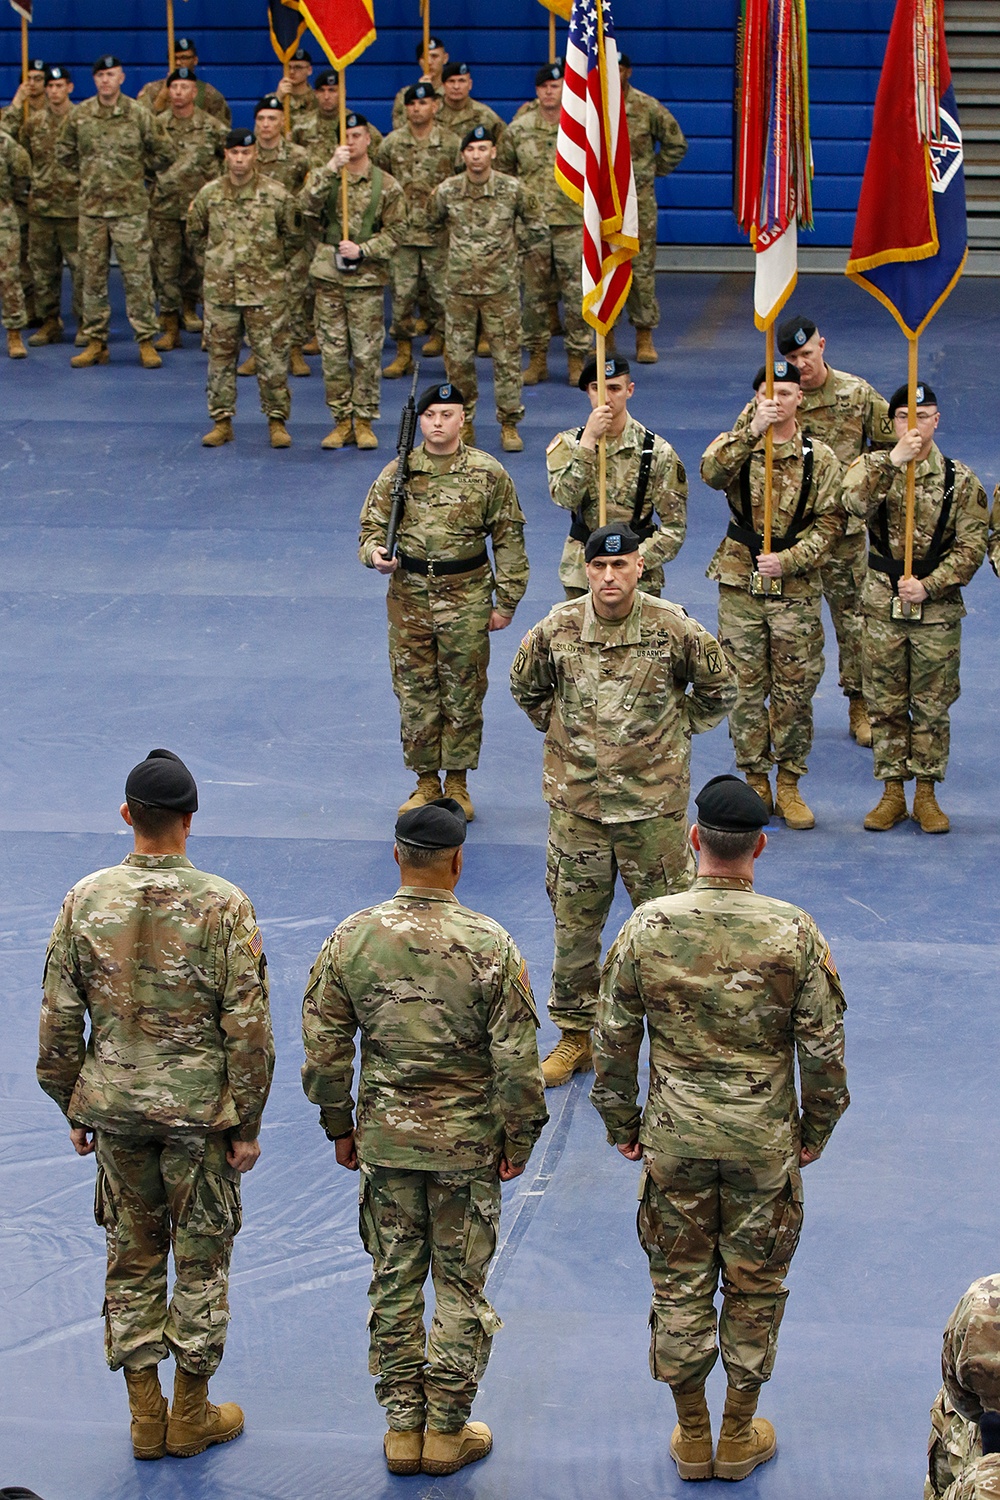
<point x="152" y="592"/>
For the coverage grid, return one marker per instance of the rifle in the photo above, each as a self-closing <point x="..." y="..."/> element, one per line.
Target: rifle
<point x="404" y="447"/>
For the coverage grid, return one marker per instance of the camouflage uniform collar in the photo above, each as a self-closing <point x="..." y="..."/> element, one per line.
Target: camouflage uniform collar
<point x="933" y="464"/>
<point x="244" y="189"/>
<point x="425" y="893"/>
<point x="722" y="883"/>
<point x="485" y="189"/>
<point x="631" y="435"/>
<point x="158" y="861"/>
<point x="825" y="394"/>
<point x="430" y="463"/>
<point x="272" y="153"/>
<point x="598" y="631"/>
<point x="790" y="448"/>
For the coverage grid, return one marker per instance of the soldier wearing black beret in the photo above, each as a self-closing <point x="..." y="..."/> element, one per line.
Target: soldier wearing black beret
<point x="156" y="98"/>
<point x="294" y="86"/>
<point x="460" y="110"/>
<point x="430" y="72"/>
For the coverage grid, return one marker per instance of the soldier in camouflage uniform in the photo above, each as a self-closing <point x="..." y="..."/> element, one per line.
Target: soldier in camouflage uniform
<point x="528" y="151"/>
<point x="15" y="174"/>
<point x="166" y="965"/>
<point x="658" y="146"/>
<point x="483" y="211"/>
<point x="618" y="682"/>
<point x="318" y="130"/>
<point x="420" y="156"/>
<point x="431" y="68"/>
<point x="248" y="231"/>
<point x="459" y="112"/>
<point x="199" y="140"/>
<point x="156" y="95"/>
<point x="349" y="271"/>
<point x="911" y="664"/>
<point x="993" y="546"/>
<point x="444" y="600"/>
<point x="113" y="144"/>
<point x="295" y="86"/>
<point x="280" y="158"/>
<point x="770" y="603"/>
<point x="450" y="1104"/>
<point x="646" y="482"/>
<point x="850" y="416"/>
<point x="29" y="99"/>
<point x="732" y="988"/>
<point x="965" y="1417"/>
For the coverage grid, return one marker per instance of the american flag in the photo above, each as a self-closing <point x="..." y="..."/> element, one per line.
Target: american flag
<point x="594" y="161"/>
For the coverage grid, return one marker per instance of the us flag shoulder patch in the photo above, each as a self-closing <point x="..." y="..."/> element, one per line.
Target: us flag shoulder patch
<point x="256" y="943"/>
<point x="829" y="964"/>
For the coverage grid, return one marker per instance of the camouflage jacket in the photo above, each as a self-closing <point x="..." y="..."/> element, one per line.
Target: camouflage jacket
<point x="953" y="1447"/>
<point x="248" y="235"/>
<point x="994" y="541"/>
<point x="471" y="112"/>
<point x="872" y="479"/>
<point x="721" y="463"/>
<point x="15" y="173"/>
<point x="481" y="219"/>
<point x="450" y="1078"/>
<point x="199" y="143"/>
<point x="731" y="986"/>
<point x="301" y="106"/>
<point x="970" y="1350"/>
<point x="419" y="167"/>
<point x="113" y="150"/>
<point x="286" y="163"/>
<point x="167" y="965"/>
<point x="207" y="98"/>
<point x="319" y="135"/>
<point x="55" y="192"/>
<point x="980" y="1481"/>
<point x="320" y="199"/>
<point x="650" y="124"/>
<point x="618" y="702"/>
<point x="452" y="505"/>
<point x="528" y="151"/>
<point x="849" y="416"/>
<point x="573" y="485"/>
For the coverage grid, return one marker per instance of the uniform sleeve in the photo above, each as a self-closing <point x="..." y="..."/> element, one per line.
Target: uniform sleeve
<point x="158" y="149"/>
<point x="517" y="1073"/>
<point x="505" y="525"/>
<point x="713" y="684"/>
<point x="668" y="489"/>
<point x="572" y="471"/>
<point x="507" y="154"/>
<point x="291" y="225"/>
<point x="826" y="524"/>
<point x="533" y="678"/>
<point x="20" y="168"/>
<point x="67" y="151"/>
<point x="329" y="1026"/>
<point x="994" y="542"/>
<point x="878" y="425"/>
<point x="61" y="1046"/>
<point x="964" y="556"/>
<point x="392" y="228"/>
<point x="673" y="145"/>
<point x="316" y="190"/>
<point x="724" y="458"/>
<point x="197" y="217"/>
<point x="866" y="484"/>
<point x="534" y="230"/>
<point x="398" y="111"/>
<point x="818" y="1028"/>
<point x="437" y="208"/>
<point x="618" y="1038"/>
<point x="375" y="515"/>
<point x="246" y="1020"/>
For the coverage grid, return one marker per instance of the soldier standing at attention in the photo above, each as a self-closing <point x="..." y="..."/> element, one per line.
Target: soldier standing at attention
<point x="29" y="99"/>
<point x="249" y="230"/>
<point x="441" y="600"/>
<point x="318" y="130"/>
<point x="450" y="1104"/>
<point x="15" y="174"/>
<point x="850" y="416"/>
<point x="963" y="1452"/>
<point x="733" y="988"/>
<point x="288" y="164"/>
<point x="459" y="111"/>
<point x="480" y="211"/>
<point x="156" y="95"/>
<point x="430" y="72"/>
<point x="912" y="656"/>
<point x="295" y="87"/>
<point x="113" y="145"/>
<point x="527" y="151"/>
<point x="658" y="146"/>
<point x="166" y="964"/>
<point x="646" y="482"/>
<point x="770" y="620"/>
<point x="349" y="272"/>
<point x="618" y="682"/>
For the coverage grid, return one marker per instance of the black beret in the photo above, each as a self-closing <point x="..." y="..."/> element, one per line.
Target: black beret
<point x="269" y="101"/>
<point x="437" y="825"/>
<point x="612" y="367"/>
<point x="925" y="397"/>
<point x="455" y="70"/>
<point x="727" y="803"/>
<point x="785" y="373"/>
<point x="354" y="121"/>
<point x="419" y="91"/>
<point x="611" y="541"/>
<point x="477" y="133"/>
<point x="185" y="44"/>
<point x="184" y="75"/>
<point x="163" y="780"/>
<point x="440" y="395"/>
<point x="551" y="71"/>
<point x="300" y="55"/>
<point x="56" y="72"/>
<point x="107" y="61"/>
<point x="240" y="137"/>
<point x="793" y="333"/>
<point x="328" y="75"/>
<point x="624" y="61"/>
<point x="36" y="65"/>
<point x="433" y="42"/>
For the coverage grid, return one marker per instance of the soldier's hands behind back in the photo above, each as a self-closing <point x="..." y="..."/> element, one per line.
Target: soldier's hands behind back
<point x="506" y="1172"/>
<point x="347" y="1155"/>
<point x="242" y="1155"/>
<point x="84" y="1140"/>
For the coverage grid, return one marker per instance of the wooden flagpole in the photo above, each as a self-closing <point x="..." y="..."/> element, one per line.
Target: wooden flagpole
<point x="911" y="467"/>
<point x="288" y="99"/>
<point x="552" y="36"/>
<point x="602" y="442"/>
<point x="768" y="448"/>
<point x="171" y="49"/>
<point x="343" y="141"/>
<point x="425" y="8"/>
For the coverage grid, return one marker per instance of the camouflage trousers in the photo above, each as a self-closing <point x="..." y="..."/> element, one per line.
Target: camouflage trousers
<point x="27" y="276"/>
<point x="439" y="650"/>
<point x="15" y="314"/>
<point x="51" y="243"/>
<point x="583" y="859"/>
<point x="642" y="307"/>
<point x="301" y="293"/>
<point x="176" y="276"/>
<point x="954" y="1444"/>
<point x="775" y="648"/>
<point x="445" y="1223"/>
<point x="501" y="315"/>
<point x="698" y="1219"/>
<point x="551" y="273"/>
<point x="350" y="326"/>
<point x="130" y="237"/>
<point x="843" y="576"/>
<point x="417" y="274"/>
<point x="153" y="1194"/>
<point x="911" y="680"/>
<point x="266" y="331"/>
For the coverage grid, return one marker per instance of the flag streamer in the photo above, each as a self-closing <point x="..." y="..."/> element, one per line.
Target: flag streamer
<point x="287" y="25"/>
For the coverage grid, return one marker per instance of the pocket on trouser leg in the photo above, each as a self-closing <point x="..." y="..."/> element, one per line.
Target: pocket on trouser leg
<point x="368" y="1225"/>
<point x="214" y="1208"/>
<point x="788" y="1228"/>
<point x="105" y="1211"/>
<point x="482" y="1220"/>
<point x="374" y="1358"/>
<point x="490" y="1323"/>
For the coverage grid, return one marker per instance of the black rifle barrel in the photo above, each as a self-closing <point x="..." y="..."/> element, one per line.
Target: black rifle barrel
<point x="404" y="447"/>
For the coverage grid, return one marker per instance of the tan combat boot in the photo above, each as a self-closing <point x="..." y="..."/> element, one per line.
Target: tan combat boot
<point x="644" y="352"/>
<point x="249" y="365"/>
<point x="221" y="433"/>
<point x="15" y="344"/>
<point x="454" y="786"/>
<point x="483" y="346"/>
<point x="194" y="1423"/>
<point x="339" y="436"/>
<point x="925" y="808"/>
<point x="788" y="801"/>
<point x="279" y="437"/>
<point x="571" y="1054"/>
<point x="296" y="364"/>
<point x="94" y="353"/>
<point x="311" y="346"/>
<point x="363" y="435"/>
<point x="403" y="363"/>
<point x="434" y="347"/>
<point x="575" y="362"/>
<point x="510" y="439"/>
<point x="890" y="809"/>
<point x="538" y="368"/>
<point x="468" y="434"/>
<point x="447" y="1452"/>
<point x="190" y="320"/>
<point x="170" y="338"/>
<point x="148" y="1406"/>
<point x="428" y="789"/>
<point x="49" y="333"/>
<point x="148" y="357"/>
<point x="761" y="784"/>
<point x="744" y="1440"/>
<point x="403" y="1450"/>
<point x="691" y="1443"/>
<point x="857" y="720"/>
